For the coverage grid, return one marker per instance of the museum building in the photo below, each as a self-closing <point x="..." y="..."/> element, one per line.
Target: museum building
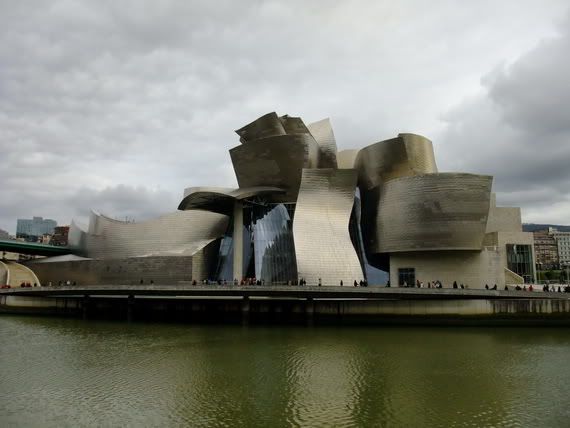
<point x="304" y="210"/>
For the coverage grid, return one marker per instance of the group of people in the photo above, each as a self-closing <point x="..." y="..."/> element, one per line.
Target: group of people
<point x="553" y="289"/>
<point x="24" y="284"/>
<point x="254" y="281"/>
<point x="420" y="284"/>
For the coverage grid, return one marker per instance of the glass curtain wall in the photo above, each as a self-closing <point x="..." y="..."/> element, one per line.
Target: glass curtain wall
<point x="225" y="266"/>
<point x="373" y="275"/>
<point x="519" y="260"/>
<point x="271" y="227"/>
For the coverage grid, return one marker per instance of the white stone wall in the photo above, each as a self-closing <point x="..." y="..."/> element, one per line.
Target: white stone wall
<point x="471" y="268"/>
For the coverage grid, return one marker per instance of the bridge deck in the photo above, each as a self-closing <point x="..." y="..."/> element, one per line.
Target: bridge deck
<point x="32" y="248"/>
<point x="301" y="292"/>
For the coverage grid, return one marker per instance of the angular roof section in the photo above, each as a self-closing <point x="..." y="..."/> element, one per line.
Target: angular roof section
<point x="221" y="199"/>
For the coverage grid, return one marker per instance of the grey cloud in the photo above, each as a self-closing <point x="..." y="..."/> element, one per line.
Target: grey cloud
<point x="94" y="95"/>
<point x="135" y="203"/>
<point x="519" y="131"/>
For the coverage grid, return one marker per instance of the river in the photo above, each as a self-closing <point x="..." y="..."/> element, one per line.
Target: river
<point x="65" y="372"/>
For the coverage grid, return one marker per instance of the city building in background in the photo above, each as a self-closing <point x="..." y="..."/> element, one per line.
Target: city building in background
<point x="563" y="243"/>
<point x="546" y="250"/>
<point x="307" y="213"/>
<point x="33" y="229"/>
<point x="60" y="236"/>
<point x="4" y="234"/>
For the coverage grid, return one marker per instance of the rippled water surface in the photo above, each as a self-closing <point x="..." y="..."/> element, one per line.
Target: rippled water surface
<point x="61" y="372"/>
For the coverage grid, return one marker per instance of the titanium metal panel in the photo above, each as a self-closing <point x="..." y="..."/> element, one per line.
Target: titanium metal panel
<point x="266" y="126"/>
<point x="446" y="211"/>
<point x="346" y="159"/>
<point x="323" y="133"/>
<point x="181" y="233"/>
<point x="220" y="199"/>
<point x="76" y="238"/>
<point x="321" y="227"/>
<point x="275" y="162"/>
<point x="293" y="125"/>
<point x="403" y="156"/>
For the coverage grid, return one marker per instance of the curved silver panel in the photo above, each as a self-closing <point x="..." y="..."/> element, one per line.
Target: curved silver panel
<point x="403" y="156"/>
<point x="323" y="133"/>
<point x="220" y="199"/>
<point x="275" y="162"/>
<point x="446" y="211"/>
<point x="266" y="126"/>
<point x="181" y="233"/>
<point x="346" y="159"/>
<point x="320" y="227"/>
<point x="76" y="238"/>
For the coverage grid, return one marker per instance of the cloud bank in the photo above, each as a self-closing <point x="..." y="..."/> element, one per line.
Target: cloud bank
<point x="118" y="106"/>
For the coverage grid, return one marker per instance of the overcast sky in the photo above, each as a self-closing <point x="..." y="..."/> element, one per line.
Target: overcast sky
<point x="118" y="106"/>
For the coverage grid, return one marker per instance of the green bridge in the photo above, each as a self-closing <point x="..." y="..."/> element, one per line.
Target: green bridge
<point x="32" y="248"/>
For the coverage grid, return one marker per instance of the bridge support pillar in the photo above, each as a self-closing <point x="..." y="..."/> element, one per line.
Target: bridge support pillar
<point x="310" y="311"/>
<point x="85" y="306"/>
<point x="245" y="310"/>
<point x="130" y="307"/>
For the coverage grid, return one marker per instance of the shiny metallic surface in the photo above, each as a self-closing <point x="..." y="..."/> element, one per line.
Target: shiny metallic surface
<point x="323" y="133"/>
<point x="266" y="126"/>
<point x="181" y="233"/>
<point x="321" y="227"/>
<point x="445" y="211"/>
<point x="275" y="162"/>
<point x="293" y="125"/>
<point x="346" y="159"/>
<point x="294" y="215"/>
<point x="220" y="199"/>
<point x="403" y="156"/>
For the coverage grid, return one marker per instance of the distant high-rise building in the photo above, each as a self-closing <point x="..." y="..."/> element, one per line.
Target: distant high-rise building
<point x="32" y="229"/>
<point x="546" y="250"/>
<point x="563" y="241"/>
<point x="4" y="234"/>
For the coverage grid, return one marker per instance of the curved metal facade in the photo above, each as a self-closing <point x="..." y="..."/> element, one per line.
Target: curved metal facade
<point x="305" y="210"/>
<point x="403" y="156"/>
<point x="275" y="162"/>
<point x="181" y="233"/>
<point x="346" y="159"/>
<point x="321" y="227"/>
<point x="220" y="199"/>
<point x="324" y="136"/>
<point x="267" y="125"/>
<point x="446" y="211"/>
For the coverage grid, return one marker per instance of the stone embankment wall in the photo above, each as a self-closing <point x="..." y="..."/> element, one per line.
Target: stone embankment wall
<point x="473" y="311"/>
<point x="161" y="270"/>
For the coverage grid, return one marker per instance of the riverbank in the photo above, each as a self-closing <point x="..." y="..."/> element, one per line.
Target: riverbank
<point x="287" y="305"/>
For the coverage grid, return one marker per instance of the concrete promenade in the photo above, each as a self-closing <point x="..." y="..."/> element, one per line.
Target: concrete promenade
<point x="300" y="292"/>
<point x="307" y="304"/>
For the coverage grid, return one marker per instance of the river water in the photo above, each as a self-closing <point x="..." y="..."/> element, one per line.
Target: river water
<point x="65" y="372"/>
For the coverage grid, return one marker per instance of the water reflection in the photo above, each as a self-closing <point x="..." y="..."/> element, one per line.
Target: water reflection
<point x="100" y="373"/>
